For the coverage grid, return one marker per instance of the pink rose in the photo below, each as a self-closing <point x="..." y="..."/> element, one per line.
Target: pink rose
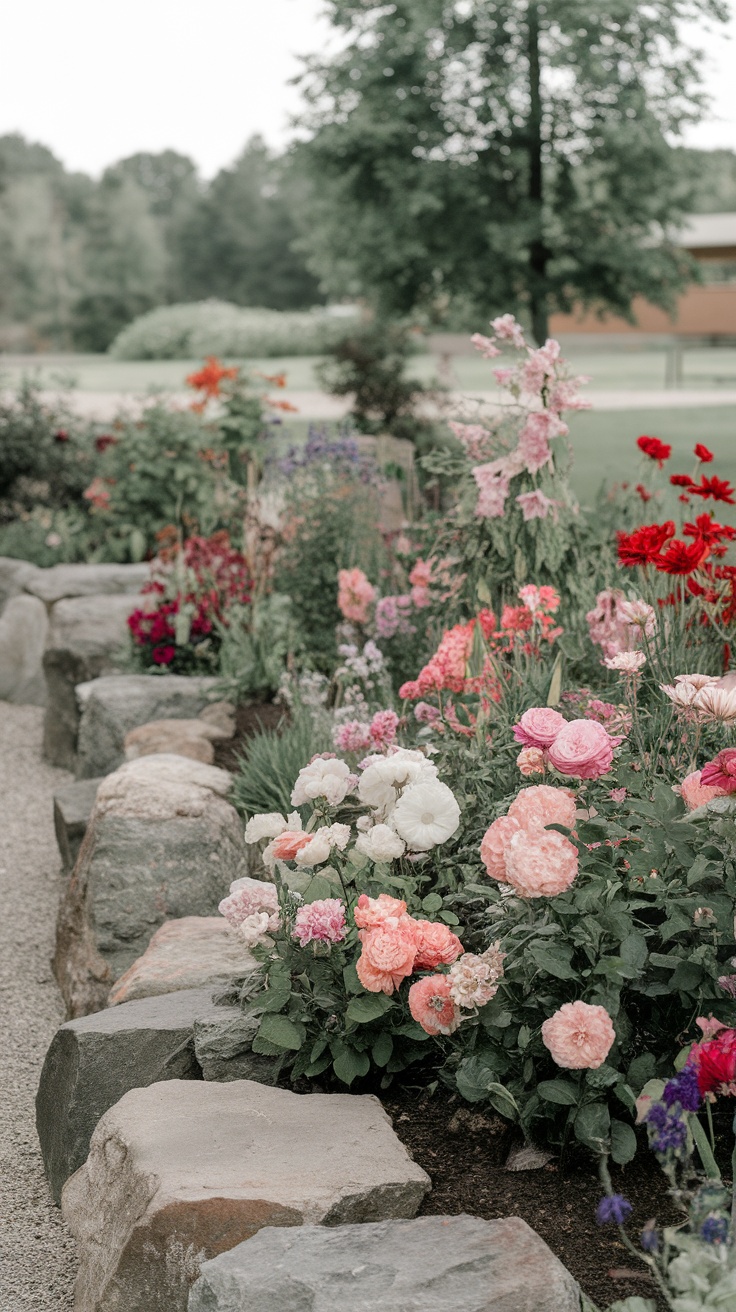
<point x="579" y="1036"/>
<point x="583" y="749"/>
<point x="431" y="1005"/>
<point x="539" y="727"/>
<point x="495" y="845"/>
<point x="540" y="863"/>
<point x="436" y="945"/>
<point x="542" y="805"/>
<point x="695" y="793"/>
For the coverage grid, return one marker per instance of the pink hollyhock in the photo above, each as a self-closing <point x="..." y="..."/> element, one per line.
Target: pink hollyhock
<point x="387" y="956"/>
<point x="355" y="595"/>
<point x="507" y="329"/>
<point x="531" y="760"/>
<point x="582" y="749"/>
<point x="579" y="1036"/>
<point x="721" y="773"/>
<point x="321" y="922"/>
<point x="539" y="727"/>
<point x="370" y="912"/>
<point x="485" y="345"/>
<point x="495" y="845"/>
<point x="694" y="792"/>
<point x="436" y="945"/>
<point x="432" y="1006"/>
<point x="534" y="439"/>
<point x="474" y="437"/>
<point x="542" y="805"/>
<point x="493" y="486"/>
<point x="540" y="863"/>
<point x="535" y="505"/>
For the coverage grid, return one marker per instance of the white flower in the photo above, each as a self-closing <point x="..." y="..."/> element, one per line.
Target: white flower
<point x="626" y="662"/>
<point x="329" y="778"/>
<point x="385" y="776"/>
<point x="426" y="814"/>
<point x="255" y="927"/>
<point x="269" y="825"/>
<point x="381" y="843"/>
<point x="638" y="614"/>
<point x="474" y="979"/>
<point x="685" y="689"/>
<point x="714" y="703"/>
<point x="317" y="850"/>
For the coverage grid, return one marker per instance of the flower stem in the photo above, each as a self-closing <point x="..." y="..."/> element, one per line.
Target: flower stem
<point x="710" y="1165"/>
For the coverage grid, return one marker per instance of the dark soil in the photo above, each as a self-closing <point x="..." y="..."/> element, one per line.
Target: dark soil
<point x="249" y="719"/>
<point x="463" y="1150"/>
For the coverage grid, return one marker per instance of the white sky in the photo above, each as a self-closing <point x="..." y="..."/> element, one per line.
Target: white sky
<point x="97" y="80"/>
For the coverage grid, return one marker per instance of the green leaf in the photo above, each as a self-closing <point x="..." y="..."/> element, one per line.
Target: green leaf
<point x="350" y="1064"/>
<point x="282" y="1032"/>
<point x="642" y="1068"/>
<point x="593" y="1124"/>
<point x="623" y="1142"/>
<point x="318" y="888"/>
<point x="503" y="1101"/>
<point x="350" y="979"/>
<point x="474" y="1079"/>
<point x="264" y="1049"/>
<point x="449" y="917"/>
<point x="319" y="1065"/>
<point x="633" y="950"/>
<point x="368" y="1007"/>
<point x="274" y="999"/>
<point x="687" y="976"/>
<point x="561" y="1091"/>
<point x="382" y="1049"/>
<point x="432" y="902"/>
<point x="554" y="960"/>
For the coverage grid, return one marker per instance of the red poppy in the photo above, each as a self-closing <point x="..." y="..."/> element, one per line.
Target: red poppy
<point x="645" y="496"/>
<point x="656" y="450"/>
<point x="683" y="557"/>
<point x="643" y="546"/>
<point x="715" y="1062"/>
<point x="681" y="480"/>
<point x="717" y="488"/>
<point x="703" y="453"/>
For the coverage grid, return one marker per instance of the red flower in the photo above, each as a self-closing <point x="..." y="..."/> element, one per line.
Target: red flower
<point x="208" y="378"/>
<point x="103" y="442"/>
<point x="703" y="453"/>
<point x="643" y="546"/>
<point x="645" y="496"/>
<point x="163" y="655"/>
<point x="683" y="557"/>
<point x="709" y="531"/>
<point x="656" y="450"/>
<point x="721" y="773"/>
<point x="681" y="480"/>
<point x="61" y="435"/>
<point x="715" y="1062"/>
<point x="717" y="488"/>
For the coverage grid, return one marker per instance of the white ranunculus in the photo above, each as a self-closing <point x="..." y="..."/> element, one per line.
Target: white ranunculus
<point x="317" y="850"/>
<point x="426" y="814"/>
<point x="381" y="843"/>
<point x="329" y="778"/>
<point x="385" y="776"/>
<point x="255" y="927"/>
<point x="269" y="825"/>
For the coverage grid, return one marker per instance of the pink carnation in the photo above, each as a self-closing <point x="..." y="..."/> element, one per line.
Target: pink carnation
<point x="542" y="805"/>
<point x="436" y="945"/>
<point x="322" y="922"/>
<point x="432" y="1006"/>
<point x="695" y="793"/>
<point x="579" y="1036"/>
<point x="539" y="727"/>
<point x="540" y="863"/>
<point x="495" y="845"/>
<point x="582" y="749"/>
<point x="355" y="595"/>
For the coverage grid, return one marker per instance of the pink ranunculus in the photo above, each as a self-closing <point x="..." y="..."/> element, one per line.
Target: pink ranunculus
<point x="286" y="846"/>
<point x="495" y="845"/>
<point x="542" y="805"/>
<point x="695" y="793"/>
<point x="432" y="1006"/>
<point x="583" y="749"/>
<point x="579" y="1036"/>
<point x="355" y="595"/>
<point x="387" y="956"/>
<point x="721" y="773"/>
<point x="373" y="911"/>
<point x="541" y="863"/>
<point x="539" y="726"/>
<point x="321" y="922"/>
<point x="531" y="761"/>
<point x="436" y="945"/>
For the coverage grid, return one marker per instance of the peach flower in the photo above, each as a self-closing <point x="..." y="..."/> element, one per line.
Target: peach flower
<point x="542" y="805"/>
<point x="373" y="911"/>
<point x="531" y="761"/>
<point x="579" y="1036"/>
<point x="495" y="845"/>
<point x="583" y="749"/>
<point x="286" y="846"/>
<point x="540" y="863"/>
<point x="436" y="945"/>
<point x="431" y="1005"/>
<point x="695" y="794"/>
<point x="539" y="727"/>
<point x="355" y="595"/>
<point x="387" y="957"/>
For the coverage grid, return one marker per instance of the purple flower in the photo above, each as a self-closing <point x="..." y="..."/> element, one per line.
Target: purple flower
<point x="667" y="1131"/>
<point x="613" y="1208"/>
<point x="649" y="1239"/>
<point x="683" y="1089"/>
<point x="714" y="1230"/>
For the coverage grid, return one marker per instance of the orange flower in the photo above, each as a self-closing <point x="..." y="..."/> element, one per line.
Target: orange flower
<point x="208" y="379"/>
<point x="276" y="380"/>
<point x="282" y="405"/>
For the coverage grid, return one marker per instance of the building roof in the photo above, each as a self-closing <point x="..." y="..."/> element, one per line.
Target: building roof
<point x="707" y="231"/>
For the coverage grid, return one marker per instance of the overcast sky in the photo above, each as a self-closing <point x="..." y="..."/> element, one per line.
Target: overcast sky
<point x="97" y="80"/>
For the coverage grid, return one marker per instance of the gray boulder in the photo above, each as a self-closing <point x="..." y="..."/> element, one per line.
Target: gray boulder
<point x="182" y="1171"/>
<point x="222" y="1045"/>
<point x="72" y="809"/>
<point x="61" y="581"/>
<point x="111" y="706"/>
<point x="88" y="637"/>
<point x="93" y="1061"/>
<point x="23" y="630"/>
<point x="434" y="1264"/>
<point x="15" y="575"/>
<point x="190" y="953"/>
<point x="162" y="843"/>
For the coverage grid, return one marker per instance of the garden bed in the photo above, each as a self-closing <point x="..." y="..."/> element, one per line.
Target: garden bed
<point x="255" y="717"/>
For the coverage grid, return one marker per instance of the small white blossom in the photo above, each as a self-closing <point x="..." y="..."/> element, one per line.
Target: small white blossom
<point x="381" y="843"/>
<point x="426" y="815"/>
<point x="329" y="778"/>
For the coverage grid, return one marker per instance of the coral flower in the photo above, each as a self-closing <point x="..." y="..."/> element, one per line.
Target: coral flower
<point x="373" y="911"/>
<point x="388" y="956"/>
<point x="286" y="846"/>
<point x="542" y="805"/>
<point x="355" y="595"/>
<point x="495" y="845"/>
<point x="579" y="1036"/>
<point x="431" y="1004"/>
<point x="436" y="945"/>
<point x="541" y="863"/>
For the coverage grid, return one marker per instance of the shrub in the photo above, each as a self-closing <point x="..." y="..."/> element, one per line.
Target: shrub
<point x="369" y="364"/>
<point x="46" y="452"/>
<point x="185" y="332"/>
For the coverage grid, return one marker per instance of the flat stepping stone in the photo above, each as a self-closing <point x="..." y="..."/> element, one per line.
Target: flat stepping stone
<point x="61" y="581"/>
<point x="93" y="1061"/>
<point x="190" y="953"/>
<point x="180" y="1172"/>
<point x="72" y="810"/>
<point x="109" y="707"/>
<point x="435" y="1264"/>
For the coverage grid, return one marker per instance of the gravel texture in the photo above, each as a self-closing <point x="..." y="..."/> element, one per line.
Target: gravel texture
<point x="37" y="1258"/>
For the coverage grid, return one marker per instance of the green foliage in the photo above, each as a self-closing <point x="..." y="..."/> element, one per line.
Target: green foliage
<point x="271" y="762"/>
<point x="46" y="453"/>
<point x="255" y="647"/>
<point x="181" y="332"/>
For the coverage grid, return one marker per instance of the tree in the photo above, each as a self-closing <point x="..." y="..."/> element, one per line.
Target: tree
<point x="501" y="155"/>
<point x="237" y="243"/>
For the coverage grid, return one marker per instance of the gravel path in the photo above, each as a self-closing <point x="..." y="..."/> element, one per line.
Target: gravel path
<point x="37" y="1261"/>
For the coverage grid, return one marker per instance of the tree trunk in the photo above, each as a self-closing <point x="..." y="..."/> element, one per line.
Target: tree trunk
<point x="538" y="252"/>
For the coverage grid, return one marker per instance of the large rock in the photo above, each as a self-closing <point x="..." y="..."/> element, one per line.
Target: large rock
<point x="72" y="809"/>
<point x="194" y="738"/>
<point x="182" y="1171"/>
<point x="61" y="581"/>
<point x="185" y="954"/>
<point x="93" y="1061"/>
<point x="162" y="843"/>
<point x="435" y="1264"/>
<point x="15" y="575"/>
<point x="87" y="638"/>
<point x="110" y="707"/>
<point x="23" y="629"/>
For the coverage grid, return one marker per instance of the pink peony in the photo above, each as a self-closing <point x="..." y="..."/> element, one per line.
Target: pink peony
<point x="541" y="805"/>
<point x="322" y="922"/>
<point x="372" y="911"/>
<point x="495" y="845"/>
<point x="695" y="793"/>
<point x="540" y="863"/>
<point x="387" y="956"/>
<point x="539" y="727"/>
<point x="531" y="761"/>
<point x="431" y="1005"/>
<point x="582" y="749"/>
<point x="579" y="1036"/>
<point x="355" y="595"/>
<point x="436" y="945"/>
<point x="721" y="773"/>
